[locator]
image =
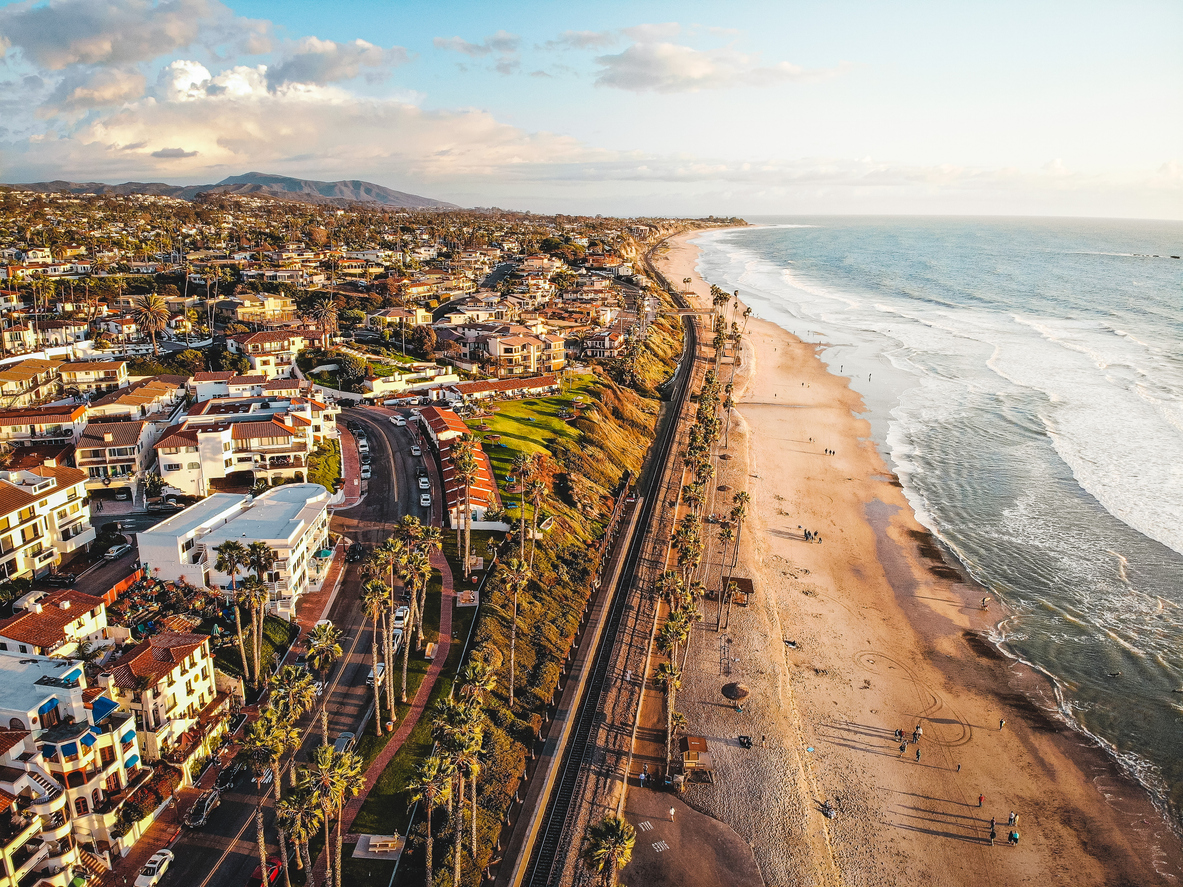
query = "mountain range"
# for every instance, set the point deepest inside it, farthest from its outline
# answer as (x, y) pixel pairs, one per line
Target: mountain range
(257, 184)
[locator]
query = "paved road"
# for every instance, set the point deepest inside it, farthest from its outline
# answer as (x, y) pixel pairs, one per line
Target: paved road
(224, 853)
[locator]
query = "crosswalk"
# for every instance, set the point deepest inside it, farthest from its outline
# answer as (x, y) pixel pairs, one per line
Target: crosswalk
(645, 826)
(661, 846)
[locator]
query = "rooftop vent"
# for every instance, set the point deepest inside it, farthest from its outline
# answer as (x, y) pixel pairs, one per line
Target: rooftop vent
(36, 608)
(108, 437)
(65, 605)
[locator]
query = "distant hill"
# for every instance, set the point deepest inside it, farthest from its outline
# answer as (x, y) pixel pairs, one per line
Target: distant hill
(257, 184)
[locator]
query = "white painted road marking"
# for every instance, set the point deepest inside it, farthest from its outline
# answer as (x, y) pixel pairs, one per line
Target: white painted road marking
(660, 846)
(645, 826)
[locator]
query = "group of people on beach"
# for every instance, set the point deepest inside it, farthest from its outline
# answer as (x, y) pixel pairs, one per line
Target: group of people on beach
(916, 734)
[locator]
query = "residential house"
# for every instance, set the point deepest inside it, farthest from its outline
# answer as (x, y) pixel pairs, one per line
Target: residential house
(157, 396)
(398, 317)
(33, 426)
(293, 520)
(55, 624)
(91, 376)
(29, 382)
(265, 308)
(483, 389)
(42, 518)
(117, 454)
(271, 353)
(58, 333)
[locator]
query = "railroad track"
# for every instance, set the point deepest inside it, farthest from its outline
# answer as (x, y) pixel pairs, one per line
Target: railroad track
(550, 846)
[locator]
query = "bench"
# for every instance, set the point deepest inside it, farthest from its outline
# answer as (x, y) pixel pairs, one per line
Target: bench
(384, 845)
(429, 652)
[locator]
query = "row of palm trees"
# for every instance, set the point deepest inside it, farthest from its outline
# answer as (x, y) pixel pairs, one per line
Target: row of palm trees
(233, 558)
(458, 727)
(317, 790)
(405, 556)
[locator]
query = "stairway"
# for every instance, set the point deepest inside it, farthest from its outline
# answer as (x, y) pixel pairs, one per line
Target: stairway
(52, 789)
(95, 867)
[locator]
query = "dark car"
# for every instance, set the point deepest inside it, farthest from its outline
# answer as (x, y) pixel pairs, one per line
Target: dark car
(198, 814)
(60, 580)
(356, 552)
(229, 777)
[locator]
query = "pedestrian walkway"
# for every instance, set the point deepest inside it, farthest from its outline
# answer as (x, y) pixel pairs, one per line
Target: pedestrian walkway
(312, 606)
(685, 850)
(350, 468)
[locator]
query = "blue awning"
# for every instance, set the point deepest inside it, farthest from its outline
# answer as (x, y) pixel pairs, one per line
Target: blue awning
(48, 706)
(69, 748)
(88, 739)
(101, 707)
(128, 736)
(131, 762)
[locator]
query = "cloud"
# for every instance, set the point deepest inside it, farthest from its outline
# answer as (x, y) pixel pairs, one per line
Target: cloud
(670, 67)
(61, 33)
(583, 40)
(173, 153)
(322, 61)
(85, 87)
(503, 46)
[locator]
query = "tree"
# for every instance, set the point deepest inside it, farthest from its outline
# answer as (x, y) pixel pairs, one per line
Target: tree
(739, 513)
(292, 692)
(431, 784)
(608, 847)
(515, 575)
(464, 464)
(257, 749)
(232, 557)
(424, 340)
(374, 598)
(255, 595)
(669, 678)
(726, 537)
(261, 559)
(299, 818)
(324, 312)
(153, 485)
(537, 493)
(324, 648)
(151, 314)
(324, 783)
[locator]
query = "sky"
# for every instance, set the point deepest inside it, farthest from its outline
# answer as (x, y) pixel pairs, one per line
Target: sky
(620, 108)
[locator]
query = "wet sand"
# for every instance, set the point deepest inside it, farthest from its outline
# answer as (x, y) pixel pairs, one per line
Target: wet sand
(884, 634)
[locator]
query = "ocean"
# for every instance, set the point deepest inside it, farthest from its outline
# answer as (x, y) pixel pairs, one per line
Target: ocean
(1024, 379)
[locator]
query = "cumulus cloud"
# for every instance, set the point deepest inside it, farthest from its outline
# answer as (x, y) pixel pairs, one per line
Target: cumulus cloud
(671, 67)
(503, 46)
(61, 33)
(85, 87)
(323, 61)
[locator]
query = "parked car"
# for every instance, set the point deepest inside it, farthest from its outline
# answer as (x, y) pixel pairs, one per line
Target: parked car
(363, 445)
(357, 552)
(345, 741)
(154, 869)
(425, 500)
(199, 813)
(396, 640)
(424, 483)
(228, 778)
(400, 617)
(264, 778)
(376, 674)
(122, 495)
(274, 870)
(365, 458)
(416, 450)
(365, 472)
(117, 551)
(60, 580)
(398, 420)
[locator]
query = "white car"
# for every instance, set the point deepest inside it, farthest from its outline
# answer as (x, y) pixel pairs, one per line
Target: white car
(398, 420)
(154, 869)
(363, 446)
(425, 500)
(400, 618)
(396, 640)
(416, 450)
(365, 472)
(115, 552)
(424, 483)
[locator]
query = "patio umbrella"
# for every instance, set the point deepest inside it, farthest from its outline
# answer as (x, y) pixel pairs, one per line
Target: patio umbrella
(736, 692)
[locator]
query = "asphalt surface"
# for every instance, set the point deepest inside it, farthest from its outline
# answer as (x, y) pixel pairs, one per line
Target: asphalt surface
(224, 853)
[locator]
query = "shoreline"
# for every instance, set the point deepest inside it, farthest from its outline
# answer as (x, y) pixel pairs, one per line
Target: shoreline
(886, 631)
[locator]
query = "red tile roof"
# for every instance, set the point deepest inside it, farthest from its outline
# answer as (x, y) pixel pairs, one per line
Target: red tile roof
(48, 627)
(153, 658)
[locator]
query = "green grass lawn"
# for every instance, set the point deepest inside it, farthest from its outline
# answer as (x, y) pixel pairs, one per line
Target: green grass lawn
(277, 634)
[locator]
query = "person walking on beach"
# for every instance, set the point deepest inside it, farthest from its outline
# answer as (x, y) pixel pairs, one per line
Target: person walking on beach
(981, 798)
(992, 823)
(917, 756)
(903, 748)
(958, 768)
(993, 835)
(671, 814)
(1001, 723)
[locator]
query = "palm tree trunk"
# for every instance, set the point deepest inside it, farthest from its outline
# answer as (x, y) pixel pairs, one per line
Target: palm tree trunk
(306, 850)
(406, 650)
(340, 810)
(246, 668)
(472, 789)
(280, 837)
(430, 845)
(377, 685)
(259, 836)
(459, 824)
(533, 531)
(388, 654)
(467, 524)
(421, 597)
(513, 642)
(722, 590)
(328, 851)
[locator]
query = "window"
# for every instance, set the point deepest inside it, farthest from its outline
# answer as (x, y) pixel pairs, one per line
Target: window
(194, 466)
(106, 755)
(171, 466)
(81, 807)
(112, 783)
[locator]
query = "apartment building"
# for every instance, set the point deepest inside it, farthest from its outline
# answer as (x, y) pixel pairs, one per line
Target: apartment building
(116, 454)
(42, 518)
(265, 308)
(293, 520)
(159, 397)
(29, 382)
(169, 685)
(398, 317)
(241, 441)
(89, 377)
(68, 761)
(36, 426)
(271, 353)
(55, 624)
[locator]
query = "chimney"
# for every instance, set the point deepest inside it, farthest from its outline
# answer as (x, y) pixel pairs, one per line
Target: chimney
(36, 608)
(65, 605)
(108, 437)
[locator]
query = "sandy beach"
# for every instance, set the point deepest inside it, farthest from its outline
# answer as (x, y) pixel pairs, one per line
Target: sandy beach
(864, 632)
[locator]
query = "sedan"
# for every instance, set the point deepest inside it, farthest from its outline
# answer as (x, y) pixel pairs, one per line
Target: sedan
(155, 868)
(198, 814)
(425, 500)
(424, 483)
(400, 617)
(274, 870)
(117, 551)
(416, 450)
(60, 580)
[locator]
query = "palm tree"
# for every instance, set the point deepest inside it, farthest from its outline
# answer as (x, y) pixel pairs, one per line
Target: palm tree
(293, 692)
(463, 749)
(465, 466)
(324, 312)
(324, 648)
(257, 749)
(608, 847)
(739, 513)
(324, 783)
(255, 594)
(726, 536)
(669, 678)
(150, 312)
(353, 781)
(515, 575)
(285, 739)
(537, 494)
(418, 572)
(388, 556)
(431, 784)
(374, 598)
(232, 557)
(522, 470)
(299, 818)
